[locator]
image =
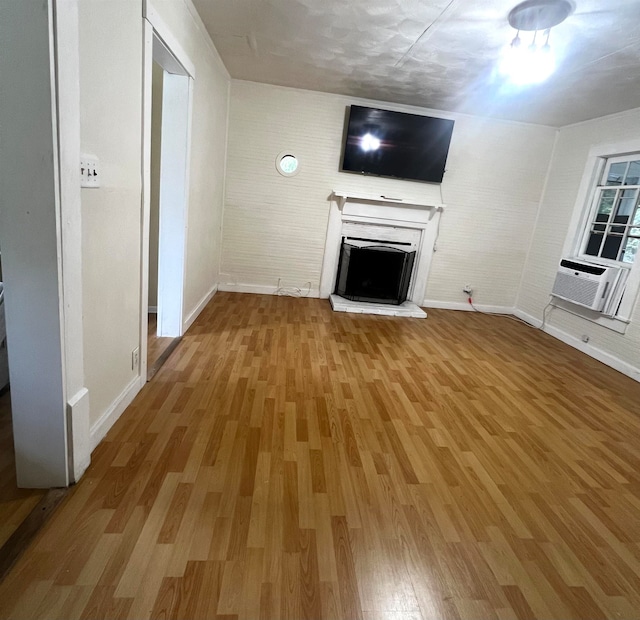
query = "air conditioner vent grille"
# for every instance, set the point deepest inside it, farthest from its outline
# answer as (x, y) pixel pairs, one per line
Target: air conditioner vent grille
(576, 289)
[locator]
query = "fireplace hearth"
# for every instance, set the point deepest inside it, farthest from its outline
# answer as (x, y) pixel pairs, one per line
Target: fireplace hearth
(374, 273)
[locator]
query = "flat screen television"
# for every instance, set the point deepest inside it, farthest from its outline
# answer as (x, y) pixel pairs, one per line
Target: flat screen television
(396, 144)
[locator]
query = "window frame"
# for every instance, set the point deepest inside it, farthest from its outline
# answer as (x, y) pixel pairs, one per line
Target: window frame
(591, 221)
(598, 158)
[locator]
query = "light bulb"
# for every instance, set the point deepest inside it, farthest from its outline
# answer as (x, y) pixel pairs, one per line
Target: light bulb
(529, 64)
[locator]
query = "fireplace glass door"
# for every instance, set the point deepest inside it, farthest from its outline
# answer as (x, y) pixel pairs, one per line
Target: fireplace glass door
(377, 274)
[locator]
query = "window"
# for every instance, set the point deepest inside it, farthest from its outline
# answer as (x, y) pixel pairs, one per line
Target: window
(613, 228)
(605, 227)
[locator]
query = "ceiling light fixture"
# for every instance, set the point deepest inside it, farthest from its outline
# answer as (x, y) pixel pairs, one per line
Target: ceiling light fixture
(533, 63)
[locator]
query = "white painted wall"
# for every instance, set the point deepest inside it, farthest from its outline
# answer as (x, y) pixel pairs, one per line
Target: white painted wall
(111, 129)
(275, 227)
(111, 48)
(208, 151)
(565, 174)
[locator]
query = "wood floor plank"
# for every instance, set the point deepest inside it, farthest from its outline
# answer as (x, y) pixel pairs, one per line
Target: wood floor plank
(292, 462)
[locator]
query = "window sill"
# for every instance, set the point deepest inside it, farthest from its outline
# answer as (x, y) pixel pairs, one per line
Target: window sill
(616, 324)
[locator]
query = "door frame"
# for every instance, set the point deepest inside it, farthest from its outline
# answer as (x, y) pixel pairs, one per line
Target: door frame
(41, 237)
(163, 47)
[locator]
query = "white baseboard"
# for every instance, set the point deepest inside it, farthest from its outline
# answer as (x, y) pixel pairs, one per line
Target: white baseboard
(463, 305)
(111, 415)
(527, 318)
(585, 347)
(193, 315)
(261, 289)
(78, 412)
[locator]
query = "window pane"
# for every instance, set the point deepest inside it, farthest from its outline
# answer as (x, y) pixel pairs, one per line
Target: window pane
(633, 174)
(618, 230)
(598, 228)
(616, 173)
(611, 247)
(626, 204)
(630, 250)
(593, 246)
(636, 217)
(605, 205)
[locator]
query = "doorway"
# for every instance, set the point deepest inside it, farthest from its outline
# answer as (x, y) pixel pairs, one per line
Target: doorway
(168, 100)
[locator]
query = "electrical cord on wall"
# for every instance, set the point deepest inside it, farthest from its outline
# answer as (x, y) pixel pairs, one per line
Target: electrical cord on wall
(435, 241)
(512, 317)
(293, 291)
(544, 313)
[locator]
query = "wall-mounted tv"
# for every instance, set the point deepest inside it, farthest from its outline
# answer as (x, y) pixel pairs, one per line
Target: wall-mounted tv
(395, 144)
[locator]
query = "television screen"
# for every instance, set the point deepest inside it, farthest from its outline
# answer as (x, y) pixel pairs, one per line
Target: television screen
(395, 144)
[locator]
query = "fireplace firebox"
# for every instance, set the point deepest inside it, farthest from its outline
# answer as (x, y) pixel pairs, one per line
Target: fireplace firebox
(374, 273)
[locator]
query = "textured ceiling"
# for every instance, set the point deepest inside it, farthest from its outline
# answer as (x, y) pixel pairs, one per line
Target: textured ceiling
(439, 54)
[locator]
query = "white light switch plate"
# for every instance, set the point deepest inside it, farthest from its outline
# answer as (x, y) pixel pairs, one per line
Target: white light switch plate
(89, 171)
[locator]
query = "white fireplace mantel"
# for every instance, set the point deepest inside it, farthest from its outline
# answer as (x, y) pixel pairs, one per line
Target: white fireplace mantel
(341, 199)
(383, 211)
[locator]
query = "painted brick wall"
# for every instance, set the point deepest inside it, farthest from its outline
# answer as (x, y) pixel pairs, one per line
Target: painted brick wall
(274, 227)
(565, 175)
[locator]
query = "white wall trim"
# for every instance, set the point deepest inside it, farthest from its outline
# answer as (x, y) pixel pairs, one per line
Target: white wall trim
(30, 234)
(528, 318)
(584, 347)
(163, 32)
(102, 426)
(463, 305)
(78, 416)
(260, 289)
(193, 315)
(177, 107)
(67, 63)
(145, 215)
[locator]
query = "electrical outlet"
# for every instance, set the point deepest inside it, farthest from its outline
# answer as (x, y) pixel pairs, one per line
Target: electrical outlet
(467, 289)
(89, 171)
(135, 358)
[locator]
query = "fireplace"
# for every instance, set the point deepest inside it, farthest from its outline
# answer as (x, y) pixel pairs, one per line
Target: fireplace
(373, 273)
(362, 222)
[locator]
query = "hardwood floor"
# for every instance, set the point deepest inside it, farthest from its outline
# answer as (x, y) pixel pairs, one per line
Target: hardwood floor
(158, 347)
(15, 503)
(292, 462)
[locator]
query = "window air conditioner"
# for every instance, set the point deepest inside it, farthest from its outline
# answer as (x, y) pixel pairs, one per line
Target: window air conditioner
(585, 284)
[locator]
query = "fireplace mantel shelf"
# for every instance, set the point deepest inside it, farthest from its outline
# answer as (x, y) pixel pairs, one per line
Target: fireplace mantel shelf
(342, 197)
